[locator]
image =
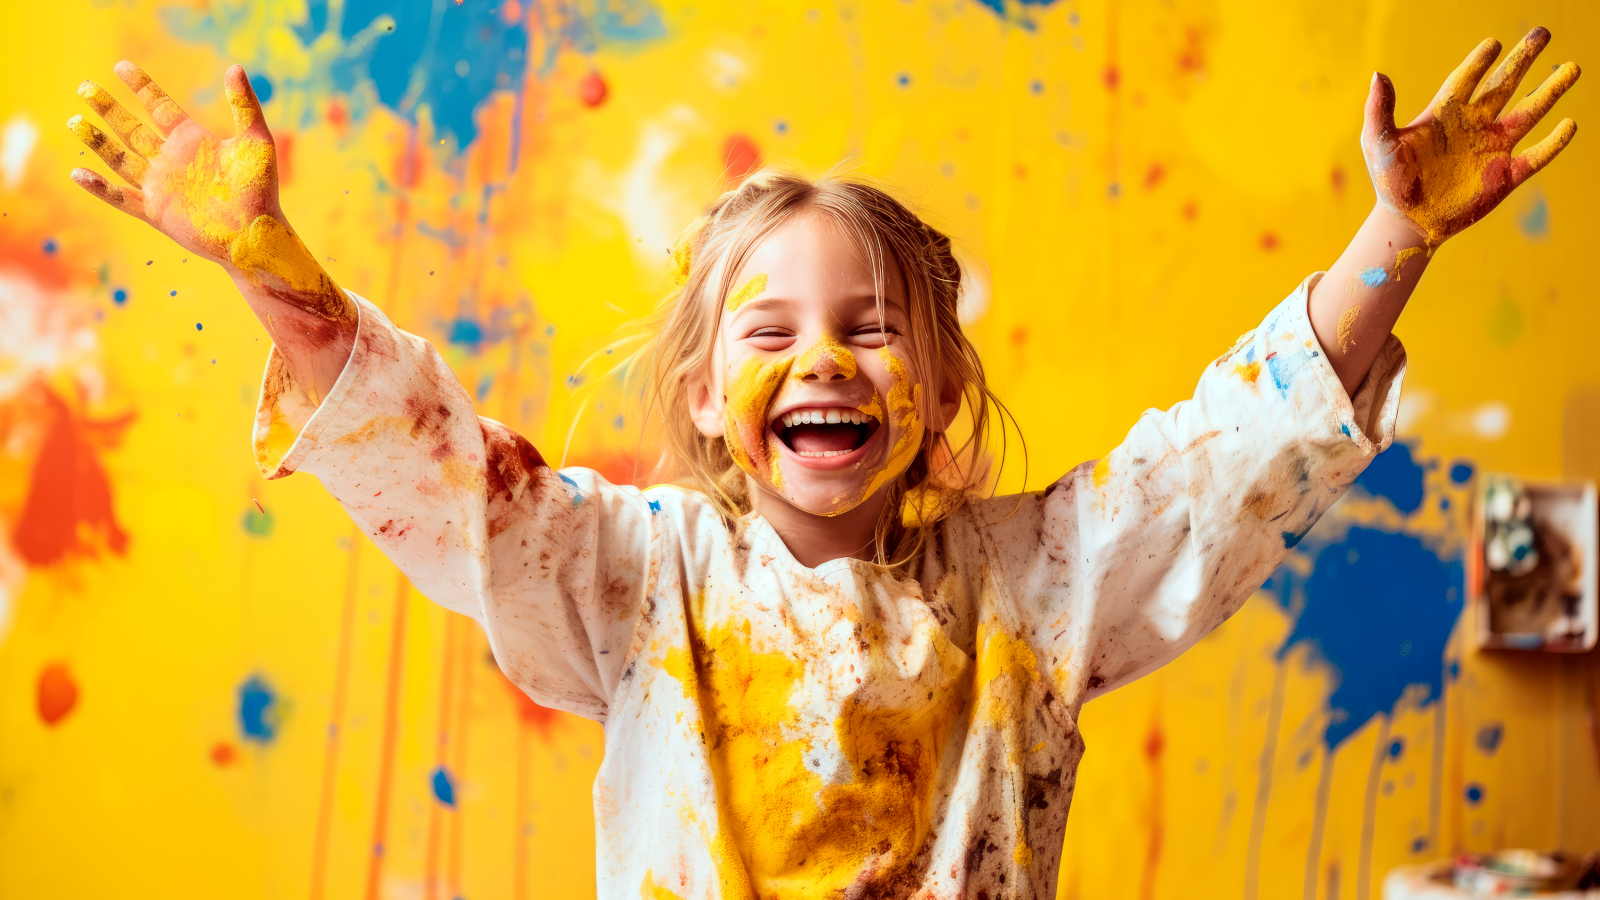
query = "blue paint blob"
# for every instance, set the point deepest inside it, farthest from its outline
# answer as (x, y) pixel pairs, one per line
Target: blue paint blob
(1373, 276)
(1454, 668)
(258, 710)
(444, 788)
(1474, 793)
(781, 127)
(618, 423)
(999, 6)
(484, 385)
(1397, 748)
(465, 332)
(50, 245)
(262, 86)
(1377, 610)
(903, 79)
(120, 296)
(1461, 472)
(172, 293)
(1419, 844)
(1444, 504)
(1396, 476)
(1535, 223)
(655, 507)
(1488, 738)
(199, 327)
(1036, 86)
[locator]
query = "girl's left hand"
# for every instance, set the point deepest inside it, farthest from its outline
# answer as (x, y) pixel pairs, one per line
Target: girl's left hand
(1453, 164)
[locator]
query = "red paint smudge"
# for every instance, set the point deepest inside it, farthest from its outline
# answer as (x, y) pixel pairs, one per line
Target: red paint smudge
(223, 754)
(260, 507)
(336, 115)
(285, 147)
(511, 12)
(532, 715)
(592, 90)
(1189, 211)
(1112, 78)
(1154, 743)
(740, 157)
(57, 693)
(1021, 171)
(1153, 176)
(623, 468)
(68, 511)
(1269, 241)
(1337, 178)
(1019, 336)
(1192, 58)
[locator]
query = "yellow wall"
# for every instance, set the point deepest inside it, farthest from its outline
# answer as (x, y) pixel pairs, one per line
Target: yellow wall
(1140, 180)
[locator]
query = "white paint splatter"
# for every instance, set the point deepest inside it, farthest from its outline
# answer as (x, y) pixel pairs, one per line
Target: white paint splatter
(16, 146)
(973, 300)
(652, 208)
(1491, 420)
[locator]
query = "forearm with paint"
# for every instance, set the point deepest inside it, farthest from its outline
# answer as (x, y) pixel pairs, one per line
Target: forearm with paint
(1354, 307)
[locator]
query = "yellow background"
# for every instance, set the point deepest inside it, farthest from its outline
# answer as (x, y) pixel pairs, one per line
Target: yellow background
(1134, 181)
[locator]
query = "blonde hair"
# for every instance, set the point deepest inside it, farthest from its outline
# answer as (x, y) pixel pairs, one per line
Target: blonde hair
(679, 339)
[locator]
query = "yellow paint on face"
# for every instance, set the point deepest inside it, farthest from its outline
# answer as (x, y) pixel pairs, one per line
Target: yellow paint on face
(748, 396)
(797, 835)
(751, 290)
(1347, 327)
(826, 348)
(905, 406)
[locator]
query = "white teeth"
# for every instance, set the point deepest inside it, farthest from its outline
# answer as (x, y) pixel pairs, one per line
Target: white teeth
(834, 416)
(820, 453)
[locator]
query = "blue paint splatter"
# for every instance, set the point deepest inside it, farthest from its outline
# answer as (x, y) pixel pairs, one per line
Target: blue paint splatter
(1397, 748)
(781, 127)
(655, 507)
(1284, 367)
(1036, 86)
(50, 246)
(1474, 793)
(172, 293)
(903, 79)
(1396, 476)
(1488, 738)
(1377, 610)
(618, 423)
(444, 787)
(999, 6)
(262, 85)
(485, 384)
(199, 327)
(258, 710)
(1373, 276)
(120, 296)
(1461, 472)
(577, 491)
(1418, 845)
(1535, 223)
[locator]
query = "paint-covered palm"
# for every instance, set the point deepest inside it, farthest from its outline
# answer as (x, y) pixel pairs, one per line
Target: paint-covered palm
(1454, 163)
(217, 197)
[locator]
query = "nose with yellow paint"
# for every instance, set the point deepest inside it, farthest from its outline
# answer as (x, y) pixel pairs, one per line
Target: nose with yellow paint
(827, 360)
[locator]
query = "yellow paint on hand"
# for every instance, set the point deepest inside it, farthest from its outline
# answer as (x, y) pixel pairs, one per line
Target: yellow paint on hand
(137, 135)
(1347, 327)
(1404, 256)
(130, 167)
(1248, 371)
(744, 415)
(751, 290)
(826, 348)
(268, 249)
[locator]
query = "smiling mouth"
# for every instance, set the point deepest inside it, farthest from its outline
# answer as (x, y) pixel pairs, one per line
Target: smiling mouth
(821, 433)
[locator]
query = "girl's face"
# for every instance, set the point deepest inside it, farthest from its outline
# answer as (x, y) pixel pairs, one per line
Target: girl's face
(810, 386)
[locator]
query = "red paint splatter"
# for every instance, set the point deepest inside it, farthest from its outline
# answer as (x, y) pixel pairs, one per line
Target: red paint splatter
(1189, 211)
(740, 157)
(1019, 336)
(1021, 171)
(511, 12)
(1154, 743)
(285, 146)
(57, 693)
(336, 115)
(1192, 58)
(223, 754)
(1269, 241)
(1337, 178)
(1153, 176)
(1112, 78)
(258, 505)
(592, 90)
(68, 511)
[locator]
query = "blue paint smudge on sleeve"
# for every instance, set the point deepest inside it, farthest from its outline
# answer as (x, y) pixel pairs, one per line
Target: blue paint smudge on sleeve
(577, 497)
(1461, 472)
(258, 710)
(444, 787)
(655, 506)
(1284, 367)
(1396, 476)
(1374, 276)
(1377, 610)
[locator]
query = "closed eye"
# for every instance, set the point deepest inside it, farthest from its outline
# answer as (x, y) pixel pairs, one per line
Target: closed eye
(874, 335)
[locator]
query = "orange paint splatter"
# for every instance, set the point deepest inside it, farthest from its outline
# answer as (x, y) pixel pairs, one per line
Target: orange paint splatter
(285, 145)
(1337, 180)
(223, 754)
(57, 693)
(592, 90)
(542, 719)
(68, 511)
(1111, 78)
(1019, 336)
(511, 12)
(1153, 176)
(1248, 371)
(740, 157)
(1189, 211)
(1269, 241)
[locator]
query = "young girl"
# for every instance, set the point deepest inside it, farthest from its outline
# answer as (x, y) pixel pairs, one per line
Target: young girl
(826, 667)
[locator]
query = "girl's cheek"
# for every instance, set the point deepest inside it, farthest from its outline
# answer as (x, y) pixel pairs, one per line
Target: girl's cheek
(902, 408)
(748, 396)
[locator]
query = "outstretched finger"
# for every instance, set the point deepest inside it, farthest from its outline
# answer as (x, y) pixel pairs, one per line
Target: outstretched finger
(1377, 133)
(1531, 160)
(162, 108)
(1459, 86)
(1527, 113)
(247, 116)
(130, 167)
(138, 136)
(129, 200)
(1495, 90)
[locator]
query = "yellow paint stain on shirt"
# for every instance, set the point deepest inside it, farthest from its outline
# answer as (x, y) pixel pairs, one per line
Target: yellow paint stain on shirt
(744, 415)
(1102, 474)
(927, 505)
(1248, 372)
(650, 889)
(1007, 668)
(272, 444)
(1347, 327)
(796, 834)
(751, 290)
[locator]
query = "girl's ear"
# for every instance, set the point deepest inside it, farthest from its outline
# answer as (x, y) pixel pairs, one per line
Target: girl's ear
(704, 410)
(949, 404)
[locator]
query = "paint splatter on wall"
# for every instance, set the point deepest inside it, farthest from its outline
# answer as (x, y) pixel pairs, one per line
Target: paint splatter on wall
(506, 178)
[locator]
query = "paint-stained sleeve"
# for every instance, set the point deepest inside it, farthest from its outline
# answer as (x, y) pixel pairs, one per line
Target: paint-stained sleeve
(555, 565)
(1126, 562)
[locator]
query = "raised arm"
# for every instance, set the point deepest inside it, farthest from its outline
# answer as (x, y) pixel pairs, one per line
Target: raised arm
(1434, 177)
(218, 198)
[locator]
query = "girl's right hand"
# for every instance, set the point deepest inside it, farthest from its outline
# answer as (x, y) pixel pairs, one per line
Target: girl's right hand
(216, 197)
